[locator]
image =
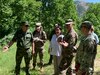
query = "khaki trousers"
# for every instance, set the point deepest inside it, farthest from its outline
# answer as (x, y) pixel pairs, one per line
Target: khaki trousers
(57, 60)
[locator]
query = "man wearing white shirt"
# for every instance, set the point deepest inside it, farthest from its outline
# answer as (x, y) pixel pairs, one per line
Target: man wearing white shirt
(56, 48)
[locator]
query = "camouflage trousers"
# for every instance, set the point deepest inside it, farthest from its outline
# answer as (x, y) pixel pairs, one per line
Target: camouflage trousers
(66, 64)
(80, 72)
(27, 57)
(88, 72)
(40, 52)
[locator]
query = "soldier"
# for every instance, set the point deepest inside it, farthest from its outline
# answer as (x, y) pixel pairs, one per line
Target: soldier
(86, 51)
(69, 43)
(39, 39)
(24, 40)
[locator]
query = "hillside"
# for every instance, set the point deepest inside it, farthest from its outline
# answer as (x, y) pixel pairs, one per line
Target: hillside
(81, 7)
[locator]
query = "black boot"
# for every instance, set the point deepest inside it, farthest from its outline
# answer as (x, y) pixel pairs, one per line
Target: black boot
(50, 60)
(28, 73)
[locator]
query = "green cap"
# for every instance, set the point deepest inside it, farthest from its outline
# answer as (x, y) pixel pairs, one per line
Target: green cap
(86, 24)
(69, 21)
(25, 23)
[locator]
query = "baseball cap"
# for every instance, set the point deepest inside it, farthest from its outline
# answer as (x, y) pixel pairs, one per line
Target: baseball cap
(38, 24)
(86, 24)
(25, 23)
(69, 21)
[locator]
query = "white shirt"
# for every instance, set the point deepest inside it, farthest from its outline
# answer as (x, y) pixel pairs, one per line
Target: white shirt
(56, 48)
(96, 37)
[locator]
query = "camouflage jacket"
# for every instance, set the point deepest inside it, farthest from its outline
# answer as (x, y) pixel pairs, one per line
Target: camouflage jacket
(39, 38)
(85, 52)
(71, 38)
(24, 40)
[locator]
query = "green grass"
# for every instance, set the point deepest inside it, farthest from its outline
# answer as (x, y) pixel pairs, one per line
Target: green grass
(7, 63)
(98, 52)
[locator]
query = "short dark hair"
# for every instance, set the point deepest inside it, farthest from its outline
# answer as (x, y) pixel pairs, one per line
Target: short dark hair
(58, 27)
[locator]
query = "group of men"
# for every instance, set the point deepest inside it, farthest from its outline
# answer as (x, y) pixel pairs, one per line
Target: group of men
(25, 39)
(85, 52)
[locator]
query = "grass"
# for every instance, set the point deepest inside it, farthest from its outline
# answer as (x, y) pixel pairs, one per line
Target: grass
(7, 63)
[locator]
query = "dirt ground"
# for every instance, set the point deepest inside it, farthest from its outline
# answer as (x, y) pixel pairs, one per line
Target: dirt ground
(97, 67)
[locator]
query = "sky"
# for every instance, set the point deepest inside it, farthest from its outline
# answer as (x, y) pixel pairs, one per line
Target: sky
(94, 1)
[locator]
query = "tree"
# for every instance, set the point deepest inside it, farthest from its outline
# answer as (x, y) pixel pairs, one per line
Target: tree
(93, 15)
(12, 12)
(57, 11)
(48, 12)
(6, 18)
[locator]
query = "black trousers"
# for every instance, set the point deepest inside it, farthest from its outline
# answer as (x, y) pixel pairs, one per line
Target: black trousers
(50, 59)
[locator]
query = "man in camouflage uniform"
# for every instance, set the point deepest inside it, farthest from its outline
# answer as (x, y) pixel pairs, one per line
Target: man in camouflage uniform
(86, 51)
(39, 40)
(24, 40)
(69, 43)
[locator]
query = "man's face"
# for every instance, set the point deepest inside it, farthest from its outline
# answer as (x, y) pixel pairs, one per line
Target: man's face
(38, 28)
(68, 27)
(25, 28)
(83, 30)
(57, 31)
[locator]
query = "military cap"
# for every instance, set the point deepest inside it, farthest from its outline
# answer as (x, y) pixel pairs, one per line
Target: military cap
(86, 24)
(25, 23)
(38, 24)
(69, 21)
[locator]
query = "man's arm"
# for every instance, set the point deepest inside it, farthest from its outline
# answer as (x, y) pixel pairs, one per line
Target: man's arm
(44, 37)
(33, 47)
(5, 48)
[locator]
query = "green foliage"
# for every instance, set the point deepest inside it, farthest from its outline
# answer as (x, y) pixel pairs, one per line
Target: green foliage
(6, 18)
(12, 12)
(57, 11)
(48, 12)
(93, 15)
(6, 40)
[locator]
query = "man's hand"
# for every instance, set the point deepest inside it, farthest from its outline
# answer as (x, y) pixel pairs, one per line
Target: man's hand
(5, 48)
(33, 52)
(36, 39)
(41, 40)
(65, 44)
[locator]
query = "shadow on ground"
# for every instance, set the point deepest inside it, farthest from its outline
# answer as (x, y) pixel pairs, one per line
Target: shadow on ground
(97, 73)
